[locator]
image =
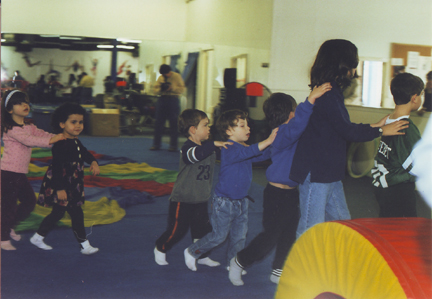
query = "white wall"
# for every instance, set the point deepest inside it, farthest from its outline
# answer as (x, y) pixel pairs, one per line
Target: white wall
(61, 61)
(140, 19)
(300, 27)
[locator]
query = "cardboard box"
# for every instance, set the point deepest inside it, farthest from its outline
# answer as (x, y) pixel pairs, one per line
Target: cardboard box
(104, 122)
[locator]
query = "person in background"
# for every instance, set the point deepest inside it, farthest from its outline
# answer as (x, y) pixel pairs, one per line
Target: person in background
(393, 181)
(86, 91)
(169, 86)
(18, 80)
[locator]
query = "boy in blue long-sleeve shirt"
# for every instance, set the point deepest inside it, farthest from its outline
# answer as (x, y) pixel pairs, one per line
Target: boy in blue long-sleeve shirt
(281, 196)
(230, 202)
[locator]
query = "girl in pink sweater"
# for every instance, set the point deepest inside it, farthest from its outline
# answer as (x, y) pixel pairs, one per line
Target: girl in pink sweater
(18, 138)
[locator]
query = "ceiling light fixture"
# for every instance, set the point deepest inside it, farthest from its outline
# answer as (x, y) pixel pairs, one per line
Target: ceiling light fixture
(134, 41)
(3, 40)
(71, 37)
(125, 47)
(105, 46)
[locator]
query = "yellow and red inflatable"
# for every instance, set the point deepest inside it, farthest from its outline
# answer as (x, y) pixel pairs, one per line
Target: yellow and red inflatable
(387, 258)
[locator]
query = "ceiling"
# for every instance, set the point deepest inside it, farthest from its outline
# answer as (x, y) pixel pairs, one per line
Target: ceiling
(27, 42)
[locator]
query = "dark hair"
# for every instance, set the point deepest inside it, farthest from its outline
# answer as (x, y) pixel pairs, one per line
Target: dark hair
(16, 98)
(429, 75)
(190, 118)
(164, 69)
(334, 61)
(61, 115)
(404, 86)
(278, 107)
(229, 119)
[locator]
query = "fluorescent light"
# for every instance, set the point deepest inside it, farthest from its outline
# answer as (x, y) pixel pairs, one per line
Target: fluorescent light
(136, 41)
(125, 47)
(70, 37)
(105, 46)
(3, 40)
(49, 35)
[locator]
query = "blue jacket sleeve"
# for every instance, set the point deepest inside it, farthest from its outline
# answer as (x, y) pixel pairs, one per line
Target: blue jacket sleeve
(290, 133)
(240, 152)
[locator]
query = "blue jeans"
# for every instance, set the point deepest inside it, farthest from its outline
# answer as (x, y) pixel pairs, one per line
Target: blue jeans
(320, 202)
(228, 216)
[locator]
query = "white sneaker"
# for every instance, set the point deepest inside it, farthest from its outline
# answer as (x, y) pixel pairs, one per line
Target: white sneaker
(208, 262)
(244, 272)
(37, 240)
(87, 249)
(190, 261)
(160, 257)
(235, 273)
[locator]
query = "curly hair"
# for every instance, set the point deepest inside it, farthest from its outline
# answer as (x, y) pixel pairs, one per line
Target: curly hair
(61, 115)
(190, 118)
(334, 61)
(229, 119)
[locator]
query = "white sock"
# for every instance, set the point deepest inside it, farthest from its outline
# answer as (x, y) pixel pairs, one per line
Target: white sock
(160, 257)
(235, 273)
(208, 262)
(190, 261)
(275, 276)
(14, 236)
(244, 272)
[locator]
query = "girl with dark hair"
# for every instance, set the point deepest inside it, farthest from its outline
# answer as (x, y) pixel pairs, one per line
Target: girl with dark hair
(63, 184)
(320, 157)
(18, 138)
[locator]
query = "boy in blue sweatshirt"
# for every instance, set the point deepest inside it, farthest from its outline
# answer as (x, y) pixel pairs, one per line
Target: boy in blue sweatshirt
(281, 196)
(230, 202)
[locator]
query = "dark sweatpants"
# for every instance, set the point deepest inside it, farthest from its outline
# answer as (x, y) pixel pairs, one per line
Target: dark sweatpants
(15, 186)
(57, 213)
(397, 201)
(280, 219)
(181, 216)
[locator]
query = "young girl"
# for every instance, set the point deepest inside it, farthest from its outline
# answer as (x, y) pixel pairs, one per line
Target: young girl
(63, 184)
(18, 138)
(320, 157)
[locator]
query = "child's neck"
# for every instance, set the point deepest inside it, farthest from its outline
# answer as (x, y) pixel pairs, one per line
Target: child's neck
(194, 139)
(401, 110)
(18, 119)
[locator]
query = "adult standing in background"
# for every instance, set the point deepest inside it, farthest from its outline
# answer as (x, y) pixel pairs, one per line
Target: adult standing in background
(86, 83)
(169, 86)
(18, 80)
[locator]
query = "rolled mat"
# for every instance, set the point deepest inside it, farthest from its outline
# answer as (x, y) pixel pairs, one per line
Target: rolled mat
(362, 258)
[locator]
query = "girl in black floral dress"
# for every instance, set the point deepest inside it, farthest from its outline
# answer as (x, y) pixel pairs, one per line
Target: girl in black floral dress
(63, 184)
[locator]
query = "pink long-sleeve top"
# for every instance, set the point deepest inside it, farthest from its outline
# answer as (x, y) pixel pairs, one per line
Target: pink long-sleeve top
(18, 143)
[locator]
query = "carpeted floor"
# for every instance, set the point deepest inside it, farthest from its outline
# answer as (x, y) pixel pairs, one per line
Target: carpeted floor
(124, 267)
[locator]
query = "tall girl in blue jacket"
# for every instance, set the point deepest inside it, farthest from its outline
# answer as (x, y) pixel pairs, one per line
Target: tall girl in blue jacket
(320, 157)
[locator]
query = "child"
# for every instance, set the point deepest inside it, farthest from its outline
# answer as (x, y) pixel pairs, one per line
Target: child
(189, 199)
(63, 184)
(281, 197)
(230, 201)
(394, 184)
(18, 138)
(320, 157)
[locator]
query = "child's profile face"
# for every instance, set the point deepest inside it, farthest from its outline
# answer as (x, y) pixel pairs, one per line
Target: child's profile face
(73, 126)
(203, 129)
(22, 109)
(240, 132)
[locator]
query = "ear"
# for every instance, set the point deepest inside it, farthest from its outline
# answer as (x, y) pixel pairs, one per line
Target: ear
(62, 125)
(192, 130)
(229, 132)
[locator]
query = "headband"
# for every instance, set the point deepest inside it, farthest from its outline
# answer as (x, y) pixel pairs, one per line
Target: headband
(9, 96)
